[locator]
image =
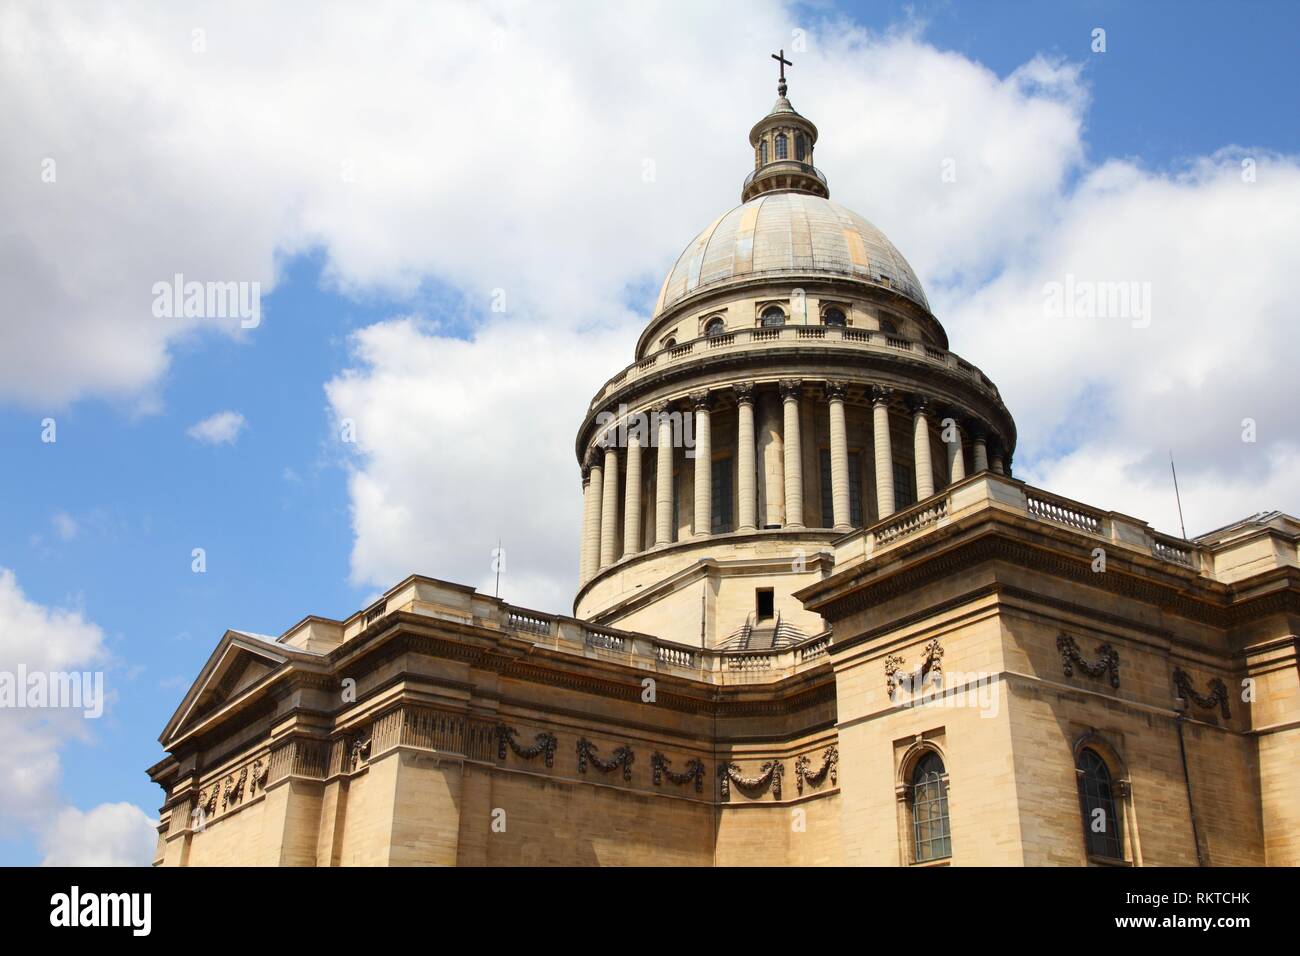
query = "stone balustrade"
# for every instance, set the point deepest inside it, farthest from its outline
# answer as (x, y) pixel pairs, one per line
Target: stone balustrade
(816, 336)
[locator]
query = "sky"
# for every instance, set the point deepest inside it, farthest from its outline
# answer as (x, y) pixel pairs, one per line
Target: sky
(458, 217)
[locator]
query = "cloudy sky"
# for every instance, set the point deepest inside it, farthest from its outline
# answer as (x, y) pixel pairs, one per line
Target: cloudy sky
(459, 215)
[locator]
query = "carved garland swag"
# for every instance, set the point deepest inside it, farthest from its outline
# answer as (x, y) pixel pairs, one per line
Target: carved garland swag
(660, 769)
(769, 776)
(622, 757)
(1218, 693)
(1071, 657)
(544, 743)
(830, 766)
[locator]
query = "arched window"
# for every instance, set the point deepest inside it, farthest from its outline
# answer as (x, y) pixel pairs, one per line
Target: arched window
(669, 343)
(834, 316)
(782, 150)
(799, 147)
(773, 316)
(932, 840)
(715, 326)
(762, 153)
(889, 326)
(1101, 824)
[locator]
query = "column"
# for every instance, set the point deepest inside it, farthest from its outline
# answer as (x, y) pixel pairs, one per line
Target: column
(839, 458)
(952, 441)
(588, 496)
(609, 508)
(880, 396)
(664, 477)
(979, 449)
(632, 497)
(747, 507)
(995, 456)
(596, 488)
(923, 464)
(703, 465)
(790, 389)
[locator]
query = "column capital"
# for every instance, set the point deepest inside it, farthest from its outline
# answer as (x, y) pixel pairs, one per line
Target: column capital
(701, 400)
(977, 430)
(744, 393)
(920, 404)
(663, 407)
(835, 390)
(586, 473)
(791, 388)
(952, 411)
(881, 394)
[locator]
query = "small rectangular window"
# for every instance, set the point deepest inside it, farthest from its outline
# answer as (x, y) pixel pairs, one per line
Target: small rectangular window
(904, 486)
(720, 520)
(765, 603)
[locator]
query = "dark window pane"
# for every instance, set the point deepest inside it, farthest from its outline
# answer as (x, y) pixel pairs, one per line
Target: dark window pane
(781, 148)
(931, 836)
(773, 316)
(904, 486)
(721, 496)
(1100, 821)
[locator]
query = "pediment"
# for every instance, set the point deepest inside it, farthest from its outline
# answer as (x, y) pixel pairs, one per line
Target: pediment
(240, 664)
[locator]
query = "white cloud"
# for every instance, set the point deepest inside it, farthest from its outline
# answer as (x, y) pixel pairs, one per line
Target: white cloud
(39, 638)
(219, 429)
(112, 834)
(65, 526)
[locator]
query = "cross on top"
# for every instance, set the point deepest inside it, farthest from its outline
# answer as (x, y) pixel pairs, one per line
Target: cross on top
(780, 58)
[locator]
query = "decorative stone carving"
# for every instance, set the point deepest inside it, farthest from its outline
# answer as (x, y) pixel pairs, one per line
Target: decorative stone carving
(769, 777)
(791, 388)
(830, 766)
(881, 394)
(931, 669)
(918, 403)
(358, 751)
(836, 390)
(744, 393)
(544, 744)
(622, 757)
(233, 791)
(208, 804)
(660, 769)
(258, 777)
(1107, 660)
(1218, 693)
(701, 400)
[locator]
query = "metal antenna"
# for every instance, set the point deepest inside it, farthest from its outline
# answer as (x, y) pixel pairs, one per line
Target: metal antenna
(1177, 498)
(496, 591)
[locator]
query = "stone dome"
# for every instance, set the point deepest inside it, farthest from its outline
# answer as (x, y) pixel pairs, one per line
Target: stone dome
(793, 233)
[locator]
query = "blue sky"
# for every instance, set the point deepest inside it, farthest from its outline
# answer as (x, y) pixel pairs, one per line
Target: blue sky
(273, 510)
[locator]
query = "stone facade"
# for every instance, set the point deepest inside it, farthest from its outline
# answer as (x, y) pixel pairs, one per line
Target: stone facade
(818, 623)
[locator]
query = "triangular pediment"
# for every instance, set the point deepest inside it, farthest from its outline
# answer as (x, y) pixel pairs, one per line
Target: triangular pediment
(239, 665)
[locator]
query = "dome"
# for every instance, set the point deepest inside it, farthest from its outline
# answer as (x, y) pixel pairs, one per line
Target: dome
(788, 232)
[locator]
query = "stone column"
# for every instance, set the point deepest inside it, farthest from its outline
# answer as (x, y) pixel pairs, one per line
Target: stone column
(588, 499)
(995, 456)
(596, 488)
(956, 457)
(880, 396)
(839, 458)
(979, 448)
(609, 509)
(924, 466)
(632, 497)
(700, 401)
(790, 389)
(664, 477)
(747, 507)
